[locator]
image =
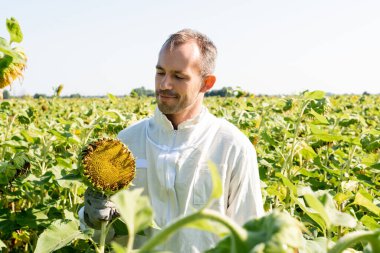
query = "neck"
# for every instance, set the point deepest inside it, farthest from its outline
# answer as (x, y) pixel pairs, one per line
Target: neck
(177, 119)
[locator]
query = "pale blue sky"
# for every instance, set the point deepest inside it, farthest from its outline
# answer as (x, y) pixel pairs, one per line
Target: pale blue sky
(95, 47)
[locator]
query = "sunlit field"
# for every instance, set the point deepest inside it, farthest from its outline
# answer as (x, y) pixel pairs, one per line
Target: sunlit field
(318, 155)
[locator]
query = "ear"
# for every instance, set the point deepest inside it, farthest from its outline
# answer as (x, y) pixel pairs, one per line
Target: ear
(208, 83)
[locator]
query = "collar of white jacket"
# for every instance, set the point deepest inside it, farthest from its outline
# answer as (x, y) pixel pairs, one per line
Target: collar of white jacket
(190, 134)
(161, 120)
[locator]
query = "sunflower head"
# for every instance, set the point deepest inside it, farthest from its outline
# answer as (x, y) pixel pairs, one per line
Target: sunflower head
(108, 165)
(11, 69)
(59, 90)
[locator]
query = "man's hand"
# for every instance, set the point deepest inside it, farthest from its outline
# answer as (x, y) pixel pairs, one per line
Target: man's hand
(97, 208)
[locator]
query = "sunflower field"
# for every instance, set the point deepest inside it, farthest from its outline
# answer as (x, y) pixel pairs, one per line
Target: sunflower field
(319, 162)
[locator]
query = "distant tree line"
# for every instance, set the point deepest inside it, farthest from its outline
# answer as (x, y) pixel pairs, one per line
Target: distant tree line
(228, 92)
(40, 95)
(223, 92)
(144, 92)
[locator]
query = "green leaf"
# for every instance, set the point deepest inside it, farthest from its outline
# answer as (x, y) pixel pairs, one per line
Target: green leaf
(327, 137)
(376, 166)
(366, 194)
(265, 136)
(323, 134)
(328, 209)
(311, 213)
(317, 161)
(370, 222)
(210, 226)
(3, 43)
(69, 215)
(277, 189)
(217, 187)
(70, 183)
(2, 245)
(341, 219)
(371, 159)
(307, 151)
(111, 97)
(14, 30)
(115, 115)
(314, 203)
(318, 245)
(370, 143)
(23, 120)
(307, 173)
(59, 234)
(287, 182)
(318, 94)
(27, 137)
(5, 106)
(66, 163)
(320, 118)
(134, 209)
(361, 200)
(274, 232)
(117, 248)
(5, 62)
(341, 197)
(8, 50)
(356, 237)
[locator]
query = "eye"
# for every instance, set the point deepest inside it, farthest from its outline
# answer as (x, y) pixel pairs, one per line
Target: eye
(160, 72)
(179, 77)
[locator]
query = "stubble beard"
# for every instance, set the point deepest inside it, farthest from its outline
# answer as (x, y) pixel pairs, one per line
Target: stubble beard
(175, 107)
(167, 108)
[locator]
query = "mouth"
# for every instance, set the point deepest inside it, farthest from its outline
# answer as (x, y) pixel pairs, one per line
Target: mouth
(162, 95)
(166, 96)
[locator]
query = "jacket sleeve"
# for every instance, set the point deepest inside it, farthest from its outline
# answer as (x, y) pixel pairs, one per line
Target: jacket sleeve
(244, 196)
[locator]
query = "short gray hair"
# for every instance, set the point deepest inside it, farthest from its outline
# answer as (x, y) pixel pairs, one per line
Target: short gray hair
(205, 45)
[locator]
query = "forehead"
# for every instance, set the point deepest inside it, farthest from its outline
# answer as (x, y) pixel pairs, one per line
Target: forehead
(180, 58)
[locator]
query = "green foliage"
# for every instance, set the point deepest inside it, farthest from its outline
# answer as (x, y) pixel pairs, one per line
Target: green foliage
(39, 95)
(318, 158)
(134, 209)
(59, 234)
(275, 232)
(12, 59)
(14, 30)
(142, 92)
(228, 92)
(6, 94)
(75, 95)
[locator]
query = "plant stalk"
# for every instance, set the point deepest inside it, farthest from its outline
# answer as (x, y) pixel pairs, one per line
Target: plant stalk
(103, 234)
(238, 233)
(373, 237)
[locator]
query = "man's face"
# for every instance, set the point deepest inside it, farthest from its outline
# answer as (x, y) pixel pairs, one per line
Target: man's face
(178, 79)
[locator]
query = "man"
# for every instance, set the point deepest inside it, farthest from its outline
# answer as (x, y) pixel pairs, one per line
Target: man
(174, 146)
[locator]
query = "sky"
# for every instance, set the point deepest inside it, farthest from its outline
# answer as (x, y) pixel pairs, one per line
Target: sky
(95, 47)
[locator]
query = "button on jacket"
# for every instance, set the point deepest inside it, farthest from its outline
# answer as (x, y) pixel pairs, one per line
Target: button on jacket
(171, 166)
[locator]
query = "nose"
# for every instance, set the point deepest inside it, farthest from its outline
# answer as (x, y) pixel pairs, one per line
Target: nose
(165, 83)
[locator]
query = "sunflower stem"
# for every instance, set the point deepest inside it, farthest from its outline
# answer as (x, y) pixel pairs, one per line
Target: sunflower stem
(239, 234)
(103, 234)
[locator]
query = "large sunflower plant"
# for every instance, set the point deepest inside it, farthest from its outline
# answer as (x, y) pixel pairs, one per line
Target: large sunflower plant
(12, 58)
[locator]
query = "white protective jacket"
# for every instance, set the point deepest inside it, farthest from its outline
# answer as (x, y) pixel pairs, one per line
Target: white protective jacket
(172, 169)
